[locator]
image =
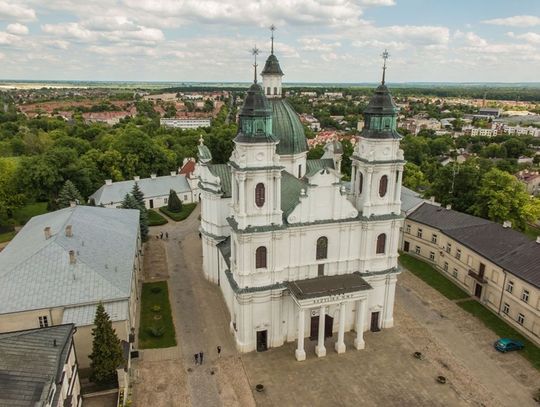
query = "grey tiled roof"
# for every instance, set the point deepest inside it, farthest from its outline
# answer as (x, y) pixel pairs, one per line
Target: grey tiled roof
(509, 249)
(327, 285)
(225, 249)
(36, 273)
(150, 187)
(312, 166)
(410, 199)
(290, 192)
(223, 171)
(30, 363)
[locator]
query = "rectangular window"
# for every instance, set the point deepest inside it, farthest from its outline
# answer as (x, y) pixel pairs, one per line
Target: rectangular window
(408, 229)
(419, 233)
(458, 254)
(482, 270)
(165, 201)
(506, 308)
(432, 256)
(43, 322)
(417, 249)
(448, 247)
(510, 286)
(525, 295)
(445, 267)
(433, 238)
(455, 273)
(495, 276)
(521, 319)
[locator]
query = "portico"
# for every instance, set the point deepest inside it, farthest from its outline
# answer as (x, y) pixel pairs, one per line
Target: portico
(316, 296)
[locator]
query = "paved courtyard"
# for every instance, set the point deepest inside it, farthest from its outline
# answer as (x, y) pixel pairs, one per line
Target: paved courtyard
(454, 344)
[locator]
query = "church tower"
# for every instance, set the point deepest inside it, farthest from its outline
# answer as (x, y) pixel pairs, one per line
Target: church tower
(272, 73)
(377, 161)
(256, 173)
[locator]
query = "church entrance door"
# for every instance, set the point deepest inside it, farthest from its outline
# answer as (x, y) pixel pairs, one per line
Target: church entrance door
(328, 325)
(262, 341)
(375, 322)
(405, 246)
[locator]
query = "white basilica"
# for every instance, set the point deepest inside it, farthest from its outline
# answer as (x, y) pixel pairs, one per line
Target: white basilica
(296, 252)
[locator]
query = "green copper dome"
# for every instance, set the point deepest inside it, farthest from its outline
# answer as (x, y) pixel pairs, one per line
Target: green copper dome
(380, 116)
(287, 128)
(271, 67)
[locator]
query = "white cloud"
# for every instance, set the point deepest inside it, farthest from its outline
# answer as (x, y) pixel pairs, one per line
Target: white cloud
(471, 39)
(530, 37)
(8, 39)
(515, 21)
(378, 2)
(17, 29)
(315, 44)
(69, 30)
(12, 10)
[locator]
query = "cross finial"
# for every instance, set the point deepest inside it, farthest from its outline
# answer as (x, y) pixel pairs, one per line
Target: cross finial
(385, 56)
(272, 29)
(201, 140)
(255, 52)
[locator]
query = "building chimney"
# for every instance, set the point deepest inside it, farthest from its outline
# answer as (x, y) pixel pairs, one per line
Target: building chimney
(69, 231)
(108, 182)
(538, 239)
(72, 204)
(432, 199)
(136, 178)
(47, 232)
(72, 259)
(448, 207)
(507, 224)
(173, 173)
(153, 176)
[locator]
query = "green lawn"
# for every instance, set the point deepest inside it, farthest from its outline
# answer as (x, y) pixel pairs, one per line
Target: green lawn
(155, 219)
(532, 231)
(432, 277)
(7, 236)
(158, 318)
(531, 352)
(178, 216)
(23, 215)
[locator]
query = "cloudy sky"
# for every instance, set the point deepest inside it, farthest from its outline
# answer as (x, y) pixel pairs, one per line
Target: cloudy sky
(316, 40)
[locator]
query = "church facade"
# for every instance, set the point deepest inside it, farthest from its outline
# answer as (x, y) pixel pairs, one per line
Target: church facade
(297, 252)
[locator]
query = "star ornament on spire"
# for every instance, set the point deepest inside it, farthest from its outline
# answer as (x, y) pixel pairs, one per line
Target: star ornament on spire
(385, 56)
(255, 51)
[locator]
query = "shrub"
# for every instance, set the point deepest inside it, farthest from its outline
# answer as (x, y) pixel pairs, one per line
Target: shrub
(174, 204)
(157, 331)
(156, 308)
(156, 290)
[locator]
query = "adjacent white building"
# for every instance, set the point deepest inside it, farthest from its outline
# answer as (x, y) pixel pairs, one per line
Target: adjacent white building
(155, 189)
(186, 122)
(295, 253)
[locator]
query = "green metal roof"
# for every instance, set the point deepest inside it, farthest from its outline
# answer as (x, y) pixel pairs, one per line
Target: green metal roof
(312, 166)
(271, 67)
(224, 173)
(287, 128)
(290, 192)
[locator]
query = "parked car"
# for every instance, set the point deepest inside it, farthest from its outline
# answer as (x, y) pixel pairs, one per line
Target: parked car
(507, 344)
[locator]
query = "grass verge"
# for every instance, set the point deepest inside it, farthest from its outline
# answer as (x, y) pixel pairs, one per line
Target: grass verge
(156, 316)
(155, 219)
(531, 352)
(7, 236)
(23, 214)
(432, 277)
(178, 216)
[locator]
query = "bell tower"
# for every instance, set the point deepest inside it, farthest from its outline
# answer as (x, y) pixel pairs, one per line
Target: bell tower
(256, 173)
(377, 161)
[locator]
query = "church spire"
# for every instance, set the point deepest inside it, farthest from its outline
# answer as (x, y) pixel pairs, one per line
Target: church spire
(255, 52)
(385, 56)
(272, 29)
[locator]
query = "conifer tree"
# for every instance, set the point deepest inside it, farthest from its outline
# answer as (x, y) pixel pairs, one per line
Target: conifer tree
(174, 204)
(106, 354)
(138, 195)
(68, 194)
(130, 202)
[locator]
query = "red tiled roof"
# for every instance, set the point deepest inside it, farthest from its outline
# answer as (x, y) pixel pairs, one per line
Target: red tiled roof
(188, 168)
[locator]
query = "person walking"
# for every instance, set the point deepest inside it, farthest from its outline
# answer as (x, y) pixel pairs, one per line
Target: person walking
(166, 235)
(201, 356)
(161, 235)
(197, 359)
(218, 351)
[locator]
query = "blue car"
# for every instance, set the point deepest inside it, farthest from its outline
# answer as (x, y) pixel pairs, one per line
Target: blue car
(507, 344)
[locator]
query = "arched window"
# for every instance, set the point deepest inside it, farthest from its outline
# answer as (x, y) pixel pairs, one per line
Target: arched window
(260, 257)
(322, 248)
(360, 182)
(381, 243)
(383, 185)
(268, 91)
(275, 91)
(259, 195)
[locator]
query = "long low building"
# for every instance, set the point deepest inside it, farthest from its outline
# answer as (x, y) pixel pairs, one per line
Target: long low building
(186, 122)
(494, 263)
(62, 264)
(155, 189)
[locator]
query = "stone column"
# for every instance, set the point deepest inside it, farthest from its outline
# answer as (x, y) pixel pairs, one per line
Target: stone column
(300, 353)
(320, 350)
(340, 344)
(359, 327)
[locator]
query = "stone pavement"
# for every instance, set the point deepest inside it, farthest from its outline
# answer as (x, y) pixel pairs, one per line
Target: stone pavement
(453, 342)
